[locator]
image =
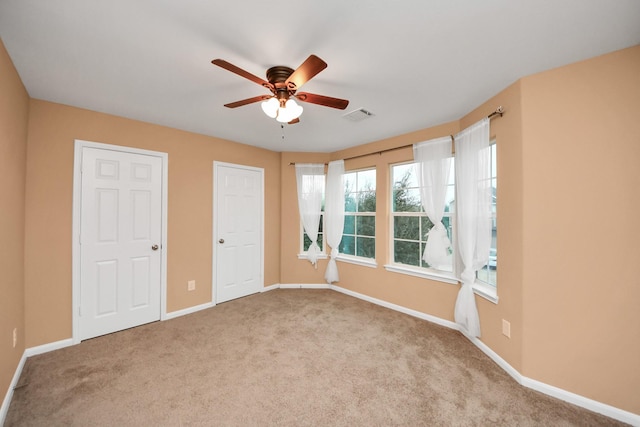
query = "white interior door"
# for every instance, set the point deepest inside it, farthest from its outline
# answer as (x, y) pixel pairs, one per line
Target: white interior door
(238, 231)
(120, 241)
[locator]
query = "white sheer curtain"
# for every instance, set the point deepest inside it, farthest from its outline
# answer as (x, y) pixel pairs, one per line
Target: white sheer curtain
(473, 216)
(310, 181)
(334, 216)
(433, 166)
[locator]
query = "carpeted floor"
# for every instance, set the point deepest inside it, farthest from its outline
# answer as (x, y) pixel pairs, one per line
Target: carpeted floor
(286, 358)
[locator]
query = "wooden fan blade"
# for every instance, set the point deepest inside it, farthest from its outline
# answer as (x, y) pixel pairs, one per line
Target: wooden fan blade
(294, 121)
(305, 72)
(327, 101)
(242, 73)
(247, 101)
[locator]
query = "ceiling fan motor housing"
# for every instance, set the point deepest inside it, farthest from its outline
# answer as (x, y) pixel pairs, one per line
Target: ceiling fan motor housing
(277, 76)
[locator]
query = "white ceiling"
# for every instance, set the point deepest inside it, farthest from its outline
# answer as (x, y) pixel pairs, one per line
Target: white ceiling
(413, 63)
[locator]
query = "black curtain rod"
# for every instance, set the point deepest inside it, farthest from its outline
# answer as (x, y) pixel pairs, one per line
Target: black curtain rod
(498, 112)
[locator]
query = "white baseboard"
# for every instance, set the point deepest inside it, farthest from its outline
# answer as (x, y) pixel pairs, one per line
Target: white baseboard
(305, 286)
(46, 348)
(494, 356)
(584, 402)
(270, 288)
(9, 395)
(189, 310)
(401, 309)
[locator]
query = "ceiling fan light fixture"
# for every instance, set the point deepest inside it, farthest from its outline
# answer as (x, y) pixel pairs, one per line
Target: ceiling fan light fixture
(290, 111)
(270, 107)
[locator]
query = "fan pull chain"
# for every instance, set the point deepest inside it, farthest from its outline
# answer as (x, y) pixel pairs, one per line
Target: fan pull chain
(282, 127)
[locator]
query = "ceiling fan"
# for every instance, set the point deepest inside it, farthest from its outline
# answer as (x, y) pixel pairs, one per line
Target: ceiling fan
(283, 83)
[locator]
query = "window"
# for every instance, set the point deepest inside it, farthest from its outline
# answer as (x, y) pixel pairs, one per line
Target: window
(488, 274)
(358, 237)
(410, 224)
(305, 241)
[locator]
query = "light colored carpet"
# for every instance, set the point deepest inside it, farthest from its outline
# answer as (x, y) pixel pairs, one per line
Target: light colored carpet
(286, 358)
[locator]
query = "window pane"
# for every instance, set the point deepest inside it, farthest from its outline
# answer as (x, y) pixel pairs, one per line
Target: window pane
(350, 181)
(406, 227)
(404, 176)
(367, 180)
(349, 224)
(407, 252)
(348, 245)
(366, 225)
(367, 201)
(366, 247)
(406, 200)
(306, 243)
(350, 202)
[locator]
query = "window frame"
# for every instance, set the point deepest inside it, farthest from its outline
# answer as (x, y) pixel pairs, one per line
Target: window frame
(480, 287)
(487, 289)
(413, 270)
(358, 259)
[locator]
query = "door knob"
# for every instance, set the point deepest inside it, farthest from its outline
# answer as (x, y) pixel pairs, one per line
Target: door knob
(154, 247)
(221, 241)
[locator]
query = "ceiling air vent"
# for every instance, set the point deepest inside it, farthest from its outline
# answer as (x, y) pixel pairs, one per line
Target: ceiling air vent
(358, 115)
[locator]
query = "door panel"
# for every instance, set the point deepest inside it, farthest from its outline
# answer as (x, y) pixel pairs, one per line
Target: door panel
(238, 223)
(121, 217)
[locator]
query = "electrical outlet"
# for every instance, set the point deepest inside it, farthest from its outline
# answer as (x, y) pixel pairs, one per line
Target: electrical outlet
(506, 328)
(15, 337)
(191, 285)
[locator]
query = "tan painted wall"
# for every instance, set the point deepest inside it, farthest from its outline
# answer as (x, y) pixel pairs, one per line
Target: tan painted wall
(581, 136)
(52, 131)
(14, 116)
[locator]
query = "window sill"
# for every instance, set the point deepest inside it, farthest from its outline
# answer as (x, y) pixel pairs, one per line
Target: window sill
(485, 291)
(423, 273)
(320, 256)
(365, 262)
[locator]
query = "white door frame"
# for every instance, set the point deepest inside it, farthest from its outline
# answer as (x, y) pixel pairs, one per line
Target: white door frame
(216, 165)
(77, 205)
